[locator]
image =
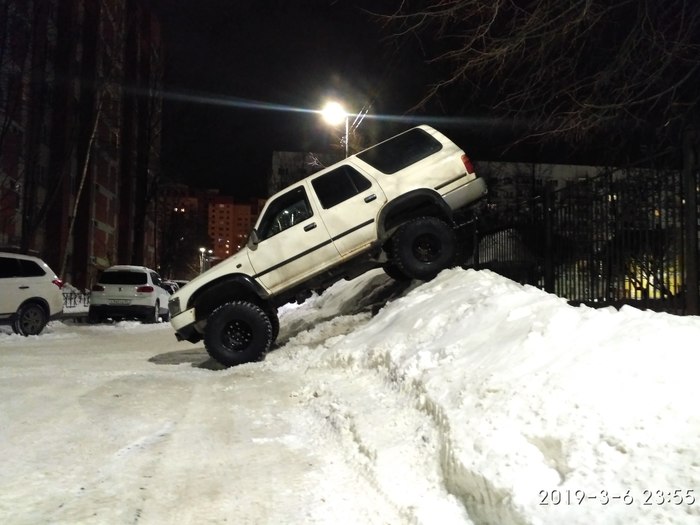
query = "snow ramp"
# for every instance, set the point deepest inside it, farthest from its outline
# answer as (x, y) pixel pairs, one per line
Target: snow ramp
(540, 412)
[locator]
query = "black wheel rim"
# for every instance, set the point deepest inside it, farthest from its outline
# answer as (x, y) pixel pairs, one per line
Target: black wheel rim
(426, 248)
(237, 335)
(32, 321)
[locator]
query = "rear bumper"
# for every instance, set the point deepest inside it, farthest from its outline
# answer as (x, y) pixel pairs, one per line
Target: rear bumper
(467, 194)
(130, 311)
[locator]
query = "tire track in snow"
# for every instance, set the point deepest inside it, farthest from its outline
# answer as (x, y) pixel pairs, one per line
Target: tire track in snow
(246, 452)
(480, 499)
(393, 445)
(484, 503)
(129, 438)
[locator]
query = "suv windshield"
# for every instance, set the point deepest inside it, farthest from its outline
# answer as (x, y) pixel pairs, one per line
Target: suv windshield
(403, 150)
(123, 277)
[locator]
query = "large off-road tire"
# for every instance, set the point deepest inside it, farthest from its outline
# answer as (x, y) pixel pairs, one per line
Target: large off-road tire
(423, 247)
(31, 320)
(395, 272)
(275, 322)
(238, 332)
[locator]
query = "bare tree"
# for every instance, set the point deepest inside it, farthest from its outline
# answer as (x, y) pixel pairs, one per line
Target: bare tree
(17, 28)
(566, 68)
(148, 157)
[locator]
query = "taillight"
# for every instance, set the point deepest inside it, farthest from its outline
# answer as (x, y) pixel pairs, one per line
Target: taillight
(145, 289)
(58, 282)
(467, 164)
(98, 288)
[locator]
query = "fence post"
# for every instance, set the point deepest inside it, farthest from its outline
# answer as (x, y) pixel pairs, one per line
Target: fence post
(548, 249)
(690, 164)
(475, 242)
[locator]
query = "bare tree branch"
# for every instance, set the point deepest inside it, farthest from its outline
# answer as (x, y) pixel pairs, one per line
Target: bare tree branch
(570, 68)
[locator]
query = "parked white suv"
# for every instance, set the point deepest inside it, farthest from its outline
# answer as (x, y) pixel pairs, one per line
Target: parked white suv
(30, 293)
(392, 205)
(128, 292)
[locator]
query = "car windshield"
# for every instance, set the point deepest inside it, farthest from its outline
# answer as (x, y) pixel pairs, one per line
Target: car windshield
(124, 277)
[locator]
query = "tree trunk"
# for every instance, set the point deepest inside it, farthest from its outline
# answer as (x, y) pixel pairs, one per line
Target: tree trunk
(86, 165)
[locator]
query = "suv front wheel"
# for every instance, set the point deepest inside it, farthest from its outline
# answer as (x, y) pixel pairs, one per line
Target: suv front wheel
(423, 247)
(238, 332)
(31, 319)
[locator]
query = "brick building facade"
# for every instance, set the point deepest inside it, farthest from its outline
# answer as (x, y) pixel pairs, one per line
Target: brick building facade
(79, 150)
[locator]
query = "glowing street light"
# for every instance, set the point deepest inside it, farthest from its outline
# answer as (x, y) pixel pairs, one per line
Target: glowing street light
(334, 113)
(202, 255)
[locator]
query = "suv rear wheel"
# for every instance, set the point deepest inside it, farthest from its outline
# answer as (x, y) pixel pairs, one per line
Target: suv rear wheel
(31, 319)
(395, 272)
(423, 247)
(153, 316)
(238, 332)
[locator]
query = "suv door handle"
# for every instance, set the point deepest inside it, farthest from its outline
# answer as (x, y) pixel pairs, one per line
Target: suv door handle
(370, 198)
(309, 227)
(23, 287)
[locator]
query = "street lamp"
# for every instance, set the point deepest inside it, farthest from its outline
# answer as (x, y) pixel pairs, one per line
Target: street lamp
(202, 251)
(333, 113)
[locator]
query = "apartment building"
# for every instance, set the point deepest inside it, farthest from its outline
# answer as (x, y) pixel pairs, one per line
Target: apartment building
(78, 149)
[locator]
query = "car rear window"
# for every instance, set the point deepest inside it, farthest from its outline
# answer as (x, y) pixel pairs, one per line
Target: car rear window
(123, 277)
(401, 151)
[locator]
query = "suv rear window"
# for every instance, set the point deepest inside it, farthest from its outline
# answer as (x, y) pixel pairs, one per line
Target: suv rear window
(124, 277)
(403, 150)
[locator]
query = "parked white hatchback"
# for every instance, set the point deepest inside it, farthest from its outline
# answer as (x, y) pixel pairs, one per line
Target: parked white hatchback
(128, 292)
(30, 293)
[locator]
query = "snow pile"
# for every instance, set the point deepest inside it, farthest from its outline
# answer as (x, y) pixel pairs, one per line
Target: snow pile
(547, 413)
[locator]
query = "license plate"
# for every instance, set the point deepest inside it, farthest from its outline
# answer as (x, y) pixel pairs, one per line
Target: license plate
(119, 301)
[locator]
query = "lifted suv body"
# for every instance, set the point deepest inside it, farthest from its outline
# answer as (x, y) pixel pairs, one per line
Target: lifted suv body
(390, 206)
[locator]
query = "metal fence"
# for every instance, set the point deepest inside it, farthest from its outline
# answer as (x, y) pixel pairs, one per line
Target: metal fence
(76, 299)
(610, 240)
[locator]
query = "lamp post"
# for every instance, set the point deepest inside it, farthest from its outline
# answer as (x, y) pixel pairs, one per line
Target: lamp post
(202, 251)
(334, 113)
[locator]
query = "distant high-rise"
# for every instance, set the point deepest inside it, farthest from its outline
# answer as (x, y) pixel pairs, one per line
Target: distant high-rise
(79, 132)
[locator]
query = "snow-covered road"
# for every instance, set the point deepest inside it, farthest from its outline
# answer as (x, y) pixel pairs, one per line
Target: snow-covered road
(470, 399)
(122, 424)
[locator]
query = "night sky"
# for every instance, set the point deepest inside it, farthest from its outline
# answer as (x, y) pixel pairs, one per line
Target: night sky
(238, 72)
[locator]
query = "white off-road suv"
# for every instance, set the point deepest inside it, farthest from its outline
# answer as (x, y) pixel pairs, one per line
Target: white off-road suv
(392, 206)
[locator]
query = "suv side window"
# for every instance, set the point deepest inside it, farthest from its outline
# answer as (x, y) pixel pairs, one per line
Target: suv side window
(401, 151)
(8, 267)
(339, 185)
(284, 212)
(30, 269)
(11, 267)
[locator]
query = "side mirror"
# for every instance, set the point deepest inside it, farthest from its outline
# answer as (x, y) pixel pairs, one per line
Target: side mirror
(253, 239)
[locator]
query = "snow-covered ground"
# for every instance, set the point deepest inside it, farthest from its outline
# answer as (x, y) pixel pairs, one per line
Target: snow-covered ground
(469, 399)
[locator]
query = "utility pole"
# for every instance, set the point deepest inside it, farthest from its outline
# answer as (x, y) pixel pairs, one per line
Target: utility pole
(690, 201)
